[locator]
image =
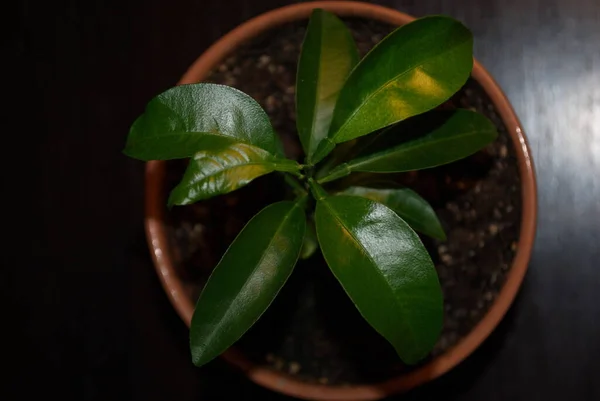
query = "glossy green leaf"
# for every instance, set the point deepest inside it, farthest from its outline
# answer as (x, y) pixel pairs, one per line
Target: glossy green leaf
(224, 166)
(247, 279)
(413, 209)
(414, 69)
(177, 121)
(428, 140)
(385, 269)
(328, 55)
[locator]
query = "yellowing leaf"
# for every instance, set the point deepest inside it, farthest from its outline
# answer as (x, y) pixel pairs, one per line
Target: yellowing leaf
(224, 166)
(328, 55)
(414, 69)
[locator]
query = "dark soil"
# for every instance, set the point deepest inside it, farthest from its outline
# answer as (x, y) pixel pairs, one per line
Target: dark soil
(312, 330)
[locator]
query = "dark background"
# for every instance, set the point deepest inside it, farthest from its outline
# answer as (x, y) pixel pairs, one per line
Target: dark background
(85, 316)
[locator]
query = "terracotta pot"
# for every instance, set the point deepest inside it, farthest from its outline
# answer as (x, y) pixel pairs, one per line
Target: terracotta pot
(180, 295)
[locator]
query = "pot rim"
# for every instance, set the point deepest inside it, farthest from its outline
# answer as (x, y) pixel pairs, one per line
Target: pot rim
(284, 383)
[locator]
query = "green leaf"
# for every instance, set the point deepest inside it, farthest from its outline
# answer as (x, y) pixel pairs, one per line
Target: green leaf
(224, 166)
(413, 209)
(429, 140)
(247, 279)
(310, 244)
(414, 69)
(176, 122)
(328, 55)
(385, 269)
(371, 180)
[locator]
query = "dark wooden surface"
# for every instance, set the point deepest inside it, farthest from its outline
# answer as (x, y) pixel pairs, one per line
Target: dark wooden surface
(90, 320)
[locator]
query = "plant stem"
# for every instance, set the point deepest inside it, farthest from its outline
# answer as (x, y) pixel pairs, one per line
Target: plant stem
(294, 184)
(318, 192)
(326, 168)
(301, 200)
(340, 171)
(343, 151)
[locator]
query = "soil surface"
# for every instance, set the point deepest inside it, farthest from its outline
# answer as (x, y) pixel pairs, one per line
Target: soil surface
(312, 330)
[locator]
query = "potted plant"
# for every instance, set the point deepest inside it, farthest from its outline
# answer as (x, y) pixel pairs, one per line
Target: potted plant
(360, 122)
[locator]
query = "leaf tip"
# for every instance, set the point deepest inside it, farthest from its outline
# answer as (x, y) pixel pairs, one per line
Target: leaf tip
(173, 200)
(493, 134)
(317, 12)
(411, 358)
(199, 355)
(438, 232)
(132, 152)
(440, 235)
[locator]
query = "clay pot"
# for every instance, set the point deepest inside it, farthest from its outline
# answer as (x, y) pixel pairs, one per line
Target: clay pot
(180, 295)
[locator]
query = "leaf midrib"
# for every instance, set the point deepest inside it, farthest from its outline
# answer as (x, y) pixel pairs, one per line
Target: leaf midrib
(271, 164)
(226, 169)
(400, 303)
(387, 83)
